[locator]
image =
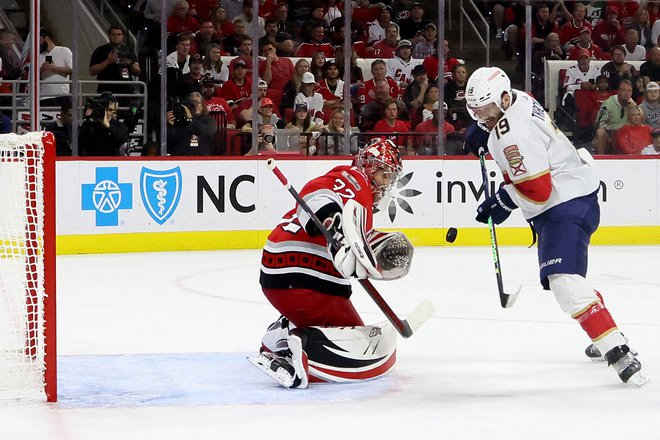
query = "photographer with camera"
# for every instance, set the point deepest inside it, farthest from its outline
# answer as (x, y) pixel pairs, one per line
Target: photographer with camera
(190, 131)
(114, 62)
(101, 134)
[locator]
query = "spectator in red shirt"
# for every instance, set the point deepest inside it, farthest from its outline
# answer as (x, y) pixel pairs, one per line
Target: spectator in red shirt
(222, 26)
(609, 32)
(217, 104)
(239, 85)
(317, 43)
(569, 32)
(385, 48)
(429, 144)
(180, 21)
(274, 70)
(584, 42)
(391, 124)
(379, 73)
(634, 136)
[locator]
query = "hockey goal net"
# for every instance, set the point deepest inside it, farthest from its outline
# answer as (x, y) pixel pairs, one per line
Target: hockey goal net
(28, 368)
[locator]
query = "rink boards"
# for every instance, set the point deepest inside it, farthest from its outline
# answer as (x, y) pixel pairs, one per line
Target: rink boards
(171, 204)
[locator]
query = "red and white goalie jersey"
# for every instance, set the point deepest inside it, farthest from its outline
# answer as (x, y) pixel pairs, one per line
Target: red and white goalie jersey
(292, 258)
(538, 159)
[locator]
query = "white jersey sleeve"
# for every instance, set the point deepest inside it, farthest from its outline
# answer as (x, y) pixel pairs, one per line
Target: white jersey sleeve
(527, 145)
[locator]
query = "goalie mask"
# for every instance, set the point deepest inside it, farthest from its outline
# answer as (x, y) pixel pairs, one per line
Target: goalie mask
(381, 162)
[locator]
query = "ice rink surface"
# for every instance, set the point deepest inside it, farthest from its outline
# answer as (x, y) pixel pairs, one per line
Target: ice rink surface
(153, 346)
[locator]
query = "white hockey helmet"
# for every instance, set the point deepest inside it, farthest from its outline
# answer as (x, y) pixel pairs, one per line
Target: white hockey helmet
(486, 85)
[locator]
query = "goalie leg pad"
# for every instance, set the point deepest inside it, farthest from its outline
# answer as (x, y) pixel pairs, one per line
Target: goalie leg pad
(349, 354)
(577, 297)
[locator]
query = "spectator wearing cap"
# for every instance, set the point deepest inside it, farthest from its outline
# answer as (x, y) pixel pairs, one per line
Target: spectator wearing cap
(244, 53)
(331, 87)
(428, 144)
(651, 105)
(412, 27)
(570, 30)
(311, 97)
(618, 68)
(217, 104)
(239, 86)
(584, 42)
(376, 29)
(634, 51)
(243, 110)
(317, 43)
(303, 121)
(274, 70)
(180, 21)
(654, 147)
(650, 69)
(609, 32)
(114, 62)
(427, 45)
(413, 96)
(265, 115)
(379, 73)
(251, 27)
(386, 47)
(634, 135)
(399, 68)
(55, 66)
(191, 81)
(581, 76)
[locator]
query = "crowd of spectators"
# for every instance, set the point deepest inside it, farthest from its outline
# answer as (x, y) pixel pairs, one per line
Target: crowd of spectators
(209, 66)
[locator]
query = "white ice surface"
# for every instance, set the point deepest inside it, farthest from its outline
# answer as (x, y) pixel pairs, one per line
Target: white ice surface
(152, 346)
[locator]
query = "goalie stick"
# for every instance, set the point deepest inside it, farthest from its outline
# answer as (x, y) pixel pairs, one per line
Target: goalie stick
(506, 300)
(405, 327)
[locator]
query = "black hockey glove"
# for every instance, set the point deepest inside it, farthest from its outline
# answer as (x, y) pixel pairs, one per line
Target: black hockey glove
(476, 140)
(498, 207)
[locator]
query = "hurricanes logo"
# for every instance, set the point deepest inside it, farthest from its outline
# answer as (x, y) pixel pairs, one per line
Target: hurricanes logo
(399, 195)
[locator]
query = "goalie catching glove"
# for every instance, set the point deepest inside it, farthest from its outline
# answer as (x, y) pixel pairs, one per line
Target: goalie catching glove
(380, 256)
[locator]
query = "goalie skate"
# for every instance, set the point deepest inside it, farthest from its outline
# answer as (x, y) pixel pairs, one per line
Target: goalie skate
(280, 369)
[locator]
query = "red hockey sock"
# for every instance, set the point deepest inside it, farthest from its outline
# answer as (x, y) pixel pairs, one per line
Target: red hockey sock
(596, 321)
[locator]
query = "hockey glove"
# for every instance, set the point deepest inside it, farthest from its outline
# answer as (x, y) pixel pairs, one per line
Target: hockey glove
(476, 140)
(498, 207)
(346, 262)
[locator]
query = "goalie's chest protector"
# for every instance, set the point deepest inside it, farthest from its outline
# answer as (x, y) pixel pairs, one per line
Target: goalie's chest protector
(293, 259)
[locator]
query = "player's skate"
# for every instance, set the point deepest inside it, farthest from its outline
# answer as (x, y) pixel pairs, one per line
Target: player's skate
(289, 367)
(595, 355)
(626, 365)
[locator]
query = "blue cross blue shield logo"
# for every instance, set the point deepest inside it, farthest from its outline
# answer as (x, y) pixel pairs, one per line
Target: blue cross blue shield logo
(160, 191)
(107, 196)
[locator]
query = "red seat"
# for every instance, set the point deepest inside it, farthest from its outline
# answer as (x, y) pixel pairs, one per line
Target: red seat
(587, 104)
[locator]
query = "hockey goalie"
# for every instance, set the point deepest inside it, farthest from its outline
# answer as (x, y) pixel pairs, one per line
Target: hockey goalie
(320, 337)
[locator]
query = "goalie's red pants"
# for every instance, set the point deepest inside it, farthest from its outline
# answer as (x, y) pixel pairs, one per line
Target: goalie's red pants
(306, 308)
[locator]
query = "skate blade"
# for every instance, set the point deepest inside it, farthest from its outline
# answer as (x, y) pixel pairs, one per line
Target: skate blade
(263, 364)
(638, 379)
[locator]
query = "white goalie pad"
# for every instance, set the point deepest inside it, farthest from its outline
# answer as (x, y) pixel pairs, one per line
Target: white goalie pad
(354, 218)
(347, 354)
(393, 252)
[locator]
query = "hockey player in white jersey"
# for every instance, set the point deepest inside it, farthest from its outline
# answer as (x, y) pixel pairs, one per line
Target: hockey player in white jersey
(556, 188)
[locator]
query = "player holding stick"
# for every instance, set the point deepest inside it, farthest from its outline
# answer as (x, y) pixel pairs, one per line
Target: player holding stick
(320, 337)
(556, 187)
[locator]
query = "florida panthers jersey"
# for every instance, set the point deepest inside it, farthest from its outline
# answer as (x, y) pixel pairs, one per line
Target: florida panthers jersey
(541, 166)
(292, 258)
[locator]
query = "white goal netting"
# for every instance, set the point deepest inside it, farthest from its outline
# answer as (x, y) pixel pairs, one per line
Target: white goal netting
(22, 345)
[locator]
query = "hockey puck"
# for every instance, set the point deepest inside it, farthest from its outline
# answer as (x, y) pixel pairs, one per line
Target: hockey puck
(451, 235)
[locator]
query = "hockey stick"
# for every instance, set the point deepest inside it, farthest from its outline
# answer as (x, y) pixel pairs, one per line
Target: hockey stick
(505, 299)
(405, 327)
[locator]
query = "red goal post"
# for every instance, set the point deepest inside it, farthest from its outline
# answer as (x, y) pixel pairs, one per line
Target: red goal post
(28, 349)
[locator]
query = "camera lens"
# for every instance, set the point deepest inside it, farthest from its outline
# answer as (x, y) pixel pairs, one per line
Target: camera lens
(269, 138)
